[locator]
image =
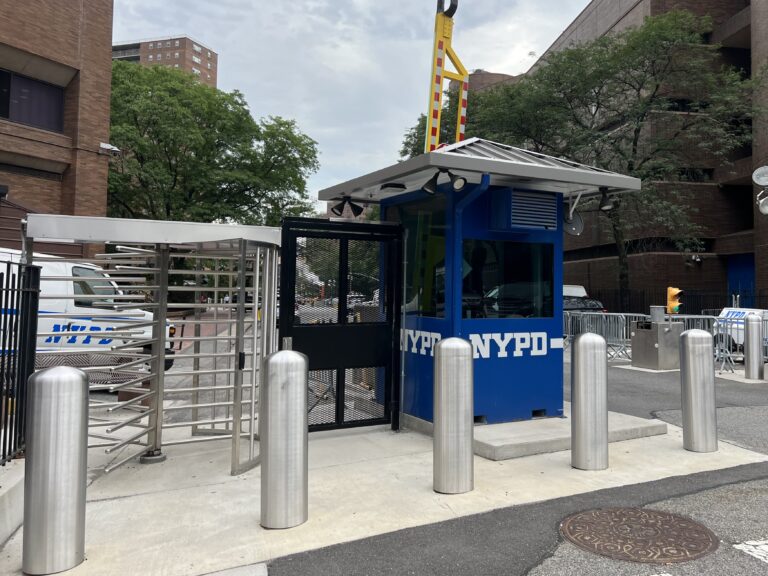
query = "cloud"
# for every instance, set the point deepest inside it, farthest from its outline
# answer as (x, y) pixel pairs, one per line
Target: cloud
(354, 74)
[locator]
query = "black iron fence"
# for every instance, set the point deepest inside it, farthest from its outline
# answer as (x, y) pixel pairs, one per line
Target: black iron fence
(19, 295)
(694, 301)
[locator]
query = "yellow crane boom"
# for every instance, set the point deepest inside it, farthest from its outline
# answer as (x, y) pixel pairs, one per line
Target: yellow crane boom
(443, 48)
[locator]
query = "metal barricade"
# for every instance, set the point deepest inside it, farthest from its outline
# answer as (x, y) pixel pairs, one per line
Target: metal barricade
(728, 334)
(614, 328)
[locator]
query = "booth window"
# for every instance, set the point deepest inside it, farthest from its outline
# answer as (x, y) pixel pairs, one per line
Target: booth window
(505, 279)
(424, 223)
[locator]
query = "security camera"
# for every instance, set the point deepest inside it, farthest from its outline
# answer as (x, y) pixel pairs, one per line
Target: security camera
(107, 149)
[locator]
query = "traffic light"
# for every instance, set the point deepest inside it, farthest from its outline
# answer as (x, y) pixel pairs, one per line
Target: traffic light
(673, 300)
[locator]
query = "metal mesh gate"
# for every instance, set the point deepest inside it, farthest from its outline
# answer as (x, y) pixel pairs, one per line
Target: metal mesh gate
(342, 311)
(172, 334)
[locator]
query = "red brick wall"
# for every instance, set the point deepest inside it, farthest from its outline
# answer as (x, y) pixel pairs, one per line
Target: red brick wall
(719, 211)
(37, 194)
(79, 35)
(650, 271)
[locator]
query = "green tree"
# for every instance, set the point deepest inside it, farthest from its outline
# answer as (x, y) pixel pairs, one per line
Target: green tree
(194, 153)
(654, 102)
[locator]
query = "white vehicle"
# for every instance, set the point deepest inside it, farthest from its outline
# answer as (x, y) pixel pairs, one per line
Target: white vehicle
(574, 290)
(86, 322)
(731, 330)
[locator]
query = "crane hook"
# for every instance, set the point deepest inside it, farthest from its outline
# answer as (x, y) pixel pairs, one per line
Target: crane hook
(451, 9)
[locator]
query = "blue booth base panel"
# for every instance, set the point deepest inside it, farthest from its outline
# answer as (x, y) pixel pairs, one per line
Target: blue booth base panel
(518, 375)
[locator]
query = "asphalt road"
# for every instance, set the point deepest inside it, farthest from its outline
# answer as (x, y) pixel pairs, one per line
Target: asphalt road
(644, 394)
(524, 540)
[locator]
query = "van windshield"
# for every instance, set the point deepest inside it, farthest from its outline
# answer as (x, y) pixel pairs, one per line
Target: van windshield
(93, 283)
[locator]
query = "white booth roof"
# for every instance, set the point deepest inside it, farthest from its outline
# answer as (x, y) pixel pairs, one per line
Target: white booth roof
(506, 165)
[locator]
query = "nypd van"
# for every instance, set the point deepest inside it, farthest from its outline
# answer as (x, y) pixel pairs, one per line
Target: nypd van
(731, 326)
(85, 323)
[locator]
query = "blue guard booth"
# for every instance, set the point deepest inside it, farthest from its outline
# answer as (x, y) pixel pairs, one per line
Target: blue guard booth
(484, 225)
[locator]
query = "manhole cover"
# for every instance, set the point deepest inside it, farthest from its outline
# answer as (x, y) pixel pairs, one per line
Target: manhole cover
(639, 535)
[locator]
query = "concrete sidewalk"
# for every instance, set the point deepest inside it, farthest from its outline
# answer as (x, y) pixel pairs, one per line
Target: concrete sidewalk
(188, 516)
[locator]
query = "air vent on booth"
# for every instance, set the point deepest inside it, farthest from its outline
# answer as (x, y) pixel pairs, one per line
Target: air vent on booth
(534, 210)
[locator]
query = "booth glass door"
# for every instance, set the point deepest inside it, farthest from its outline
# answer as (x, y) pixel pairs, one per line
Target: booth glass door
(339, 305)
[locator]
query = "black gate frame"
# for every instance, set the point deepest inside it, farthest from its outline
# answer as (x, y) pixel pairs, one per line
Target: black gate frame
(365, 334)
(19, 297)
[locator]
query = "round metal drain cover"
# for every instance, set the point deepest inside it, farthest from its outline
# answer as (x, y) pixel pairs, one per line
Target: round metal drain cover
(639, 535)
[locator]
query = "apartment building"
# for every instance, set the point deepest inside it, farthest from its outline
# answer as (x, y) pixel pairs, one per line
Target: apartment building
(181, 52)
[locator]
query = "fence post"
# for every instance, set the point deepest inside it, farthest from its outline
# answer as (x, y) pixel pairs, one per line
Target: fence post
(56, 470)
(453, 430)
(697, 376)
(283, 429)
(589, 403)
(753, 347)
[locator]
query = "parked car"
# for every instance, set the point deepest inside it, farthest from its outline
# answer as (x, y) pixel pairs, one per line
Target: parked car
(574, 290)
(582, 304)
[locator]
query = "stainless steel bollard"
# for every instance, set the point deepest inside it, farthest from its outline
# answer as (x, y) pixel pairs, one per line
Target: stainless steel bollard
(453, 429)
(56, 470)
(697, 377)
(283, 428)
(753, 347)
(589, 403)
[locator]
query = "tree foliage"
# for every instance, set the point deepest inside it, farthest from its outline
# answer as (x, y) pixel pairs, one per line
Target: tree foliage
(192, 152)
(655, 102)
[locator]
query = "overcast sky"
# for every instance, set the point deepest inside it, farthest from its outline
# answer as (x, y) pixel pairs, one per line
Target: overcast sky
(354, 74)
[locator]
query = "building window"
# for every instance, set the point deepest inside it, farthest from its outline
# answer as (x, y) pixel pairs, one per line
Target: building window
(196, 59)
(209, 65)
(196, 48)
(31, 102)
(195, 71)
(209, 76)
(159, 56)
(151, 57)
(175, 65)
(151, 45)
(209, 53)
(176, 55)
(168, 44)
(5, 93)
(168, 55)
(177, 43)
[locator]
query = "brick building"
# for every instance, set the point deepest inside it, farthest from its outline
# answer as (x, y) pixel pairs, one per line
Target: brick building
(179, 52)
(55, 79)
(734, 233)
